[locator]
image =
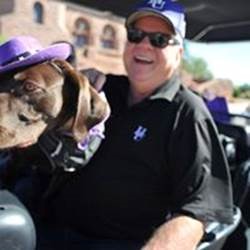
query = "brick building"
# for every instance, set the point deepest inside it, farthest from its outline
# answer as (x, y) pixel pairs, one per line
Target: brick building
(99, 37)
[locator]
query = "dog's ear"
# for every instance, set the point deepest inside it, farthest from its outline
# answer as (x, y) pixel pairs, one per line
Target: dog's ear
(89, 107)
(99, 108)
(96, 111)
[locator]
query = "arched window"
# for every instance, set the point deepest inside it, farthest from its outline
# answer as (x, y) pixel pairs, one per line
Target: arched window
(38, 12)
(81, 33)
(108, 38)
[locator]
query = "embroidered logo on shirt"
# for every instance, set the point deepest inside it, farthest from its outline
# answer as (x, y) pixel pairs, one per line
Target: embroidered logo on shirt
(139, 133)
(157, 4)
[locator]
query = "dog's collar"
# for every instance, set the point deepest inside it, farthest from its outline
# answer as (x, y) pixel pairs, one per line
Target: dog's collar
(62, 152)
(96, 131)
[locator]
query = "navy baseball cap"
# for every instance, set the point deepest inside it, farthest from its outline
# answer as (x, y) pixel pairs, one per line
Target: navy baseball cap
(168, 10)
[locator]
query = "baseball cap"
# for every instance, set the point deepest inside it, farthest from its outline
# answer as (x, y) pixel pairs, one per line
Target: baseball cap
(169, 10)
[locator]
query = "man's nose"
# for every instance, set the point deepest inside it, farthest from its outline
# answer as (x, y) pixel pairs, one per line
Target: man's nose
(145, 42)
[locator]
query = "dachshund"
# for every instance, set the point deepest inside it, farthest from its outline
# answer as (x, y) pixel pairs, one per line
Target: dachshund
(47, 96)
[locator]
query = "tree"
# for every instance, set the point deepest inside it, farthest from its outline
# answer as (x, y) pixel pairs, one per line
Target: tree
(197, 67)
(242, 91)
(2, 39)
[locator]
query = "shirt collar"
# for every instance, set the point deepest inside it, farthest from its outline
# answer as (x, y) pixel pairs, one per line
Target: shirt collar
(168, 89)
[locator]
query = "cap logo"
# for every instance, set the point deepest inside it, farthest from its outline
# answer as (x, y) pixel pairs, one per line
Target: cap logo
(157, 4)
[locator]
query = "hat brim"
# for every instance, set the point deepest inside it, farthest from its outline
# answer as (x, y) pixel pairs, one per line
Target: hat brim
(144, 13)
(56, 51)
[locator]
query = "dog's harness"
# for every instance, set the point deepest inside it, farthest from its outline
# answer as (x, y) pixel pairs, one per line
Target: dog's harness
(66, 157)
(64, 153)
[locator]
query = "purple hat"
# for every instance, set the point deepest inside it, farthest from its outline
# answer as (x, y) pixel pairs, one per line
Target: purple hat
(168, 10)
(21, 51)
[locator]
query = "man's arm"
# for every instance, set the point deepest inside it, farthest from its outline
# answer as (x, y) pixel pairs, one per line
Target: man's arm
(179, 233)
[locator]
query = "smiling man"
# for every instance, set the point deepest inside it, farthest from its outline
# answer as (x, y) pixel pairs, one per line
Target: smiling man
(160, 174)
(152, 54)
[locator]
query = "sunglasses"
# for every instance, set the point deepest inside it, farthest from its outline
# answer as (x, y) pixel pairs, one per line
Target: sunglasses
(157, 39)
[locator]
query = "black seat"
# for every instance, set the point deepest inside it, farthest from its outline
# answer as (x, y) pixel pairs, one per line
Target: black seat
(241, 137)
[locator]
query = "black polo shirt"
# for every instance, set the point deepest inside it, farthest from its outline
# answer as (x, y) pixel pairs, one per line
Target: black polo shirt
(160, 157)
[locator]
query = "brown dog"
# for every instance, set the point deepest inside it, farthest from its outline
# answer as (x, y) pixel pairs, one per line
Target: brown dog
(50, 95)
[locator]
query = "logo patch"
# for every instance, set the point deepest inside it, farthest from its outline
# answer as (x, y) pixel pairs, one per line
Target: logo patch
(140, 133)
(157, 4)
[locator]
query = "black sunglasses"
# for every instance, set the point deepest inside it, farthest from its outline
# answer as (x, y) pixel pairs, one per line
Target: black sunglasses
(157, 39)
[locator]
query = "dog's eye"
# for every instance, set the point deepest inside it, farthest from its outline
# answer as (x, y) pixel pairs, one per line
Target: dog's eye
(30, 86)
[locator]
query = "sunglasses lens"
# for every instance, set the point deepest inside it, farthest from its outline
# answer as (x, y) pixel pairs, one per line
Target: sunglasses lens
(134, 35)
(159, 40)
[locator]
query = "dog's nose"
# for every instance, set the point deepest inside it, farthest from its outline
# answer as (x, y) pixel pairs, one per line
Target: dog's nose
(23, 118)
(29, 119)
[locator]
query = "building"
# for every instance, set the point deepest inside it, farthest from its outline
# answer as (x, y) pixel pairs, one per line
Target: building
(99, 37)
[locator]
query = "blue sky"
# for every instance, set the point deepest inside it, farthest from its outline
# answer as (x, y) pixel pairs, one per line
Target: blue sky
(225, 60)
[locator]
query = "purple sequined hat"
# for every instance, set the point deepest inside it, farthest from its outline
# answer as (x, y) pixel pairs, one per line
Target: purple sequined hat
(22, 51)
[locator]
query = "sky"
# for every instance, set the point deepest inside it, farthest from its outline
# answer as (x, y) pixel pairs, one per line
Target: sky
(225, 60)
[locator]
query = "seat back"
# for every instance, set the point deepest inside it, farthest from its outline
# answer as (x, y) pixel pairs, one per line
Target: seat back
(240, 135)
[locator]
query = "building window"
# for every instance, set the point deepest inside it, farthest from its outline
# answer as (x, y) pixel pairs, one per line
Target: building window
(81, 33)
(38, 12)
(108, 38)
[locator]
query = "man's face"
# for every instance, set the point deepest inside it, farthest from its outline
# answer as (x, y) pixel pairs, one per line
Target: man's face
(147, 65)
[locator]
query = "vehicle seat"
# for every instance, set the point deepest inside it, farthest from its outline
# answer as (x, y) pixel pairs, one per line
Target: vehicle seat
(17, 230)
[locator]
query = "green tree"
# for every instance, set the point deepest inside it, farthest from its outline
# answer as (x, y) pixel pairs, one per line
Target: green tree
(2, 39)
(242, 91)
(197, 67)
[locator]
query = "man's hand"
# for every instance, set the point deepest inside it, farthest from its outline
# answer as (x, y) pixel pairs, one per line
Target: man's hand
(95, 77)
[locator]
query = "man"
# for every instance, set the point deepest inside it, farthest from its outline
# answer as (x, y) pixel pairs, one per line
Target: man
(160, 174)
